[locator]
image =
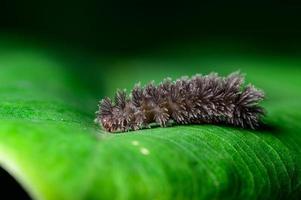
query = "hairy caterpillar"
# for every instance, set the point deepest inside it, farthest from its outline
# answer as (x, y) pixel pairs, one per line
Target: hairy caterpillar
(196, 100)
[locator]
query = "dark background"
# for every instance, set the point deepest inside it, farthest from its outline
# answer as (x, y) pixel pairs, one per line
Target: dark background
(135, 25)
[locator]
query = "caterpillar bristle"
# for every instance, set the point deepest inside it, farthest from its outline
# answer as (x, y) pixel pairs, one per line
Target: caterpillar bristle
(196, 100)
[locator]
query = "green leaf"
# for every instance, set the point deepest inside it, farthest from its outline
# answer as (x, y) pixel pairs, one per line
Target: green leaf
(49, 143)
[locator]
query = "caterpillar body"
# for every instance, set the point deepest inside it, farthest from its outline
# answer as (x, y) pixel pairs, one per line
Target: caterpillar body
(197, 100)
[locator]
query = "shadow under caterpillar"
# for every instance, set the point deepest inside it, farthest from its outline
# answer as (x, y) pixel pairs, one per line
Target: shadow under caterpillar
(196, 100)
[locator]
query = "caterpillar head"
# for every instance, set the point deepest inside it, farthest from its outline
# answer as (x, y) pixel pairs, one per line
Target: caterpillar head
(117, 117)
(105, 115)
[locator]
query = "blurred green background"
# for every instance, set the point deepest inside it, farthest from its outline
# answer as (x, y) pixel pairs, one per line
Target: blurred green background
(175, 38)
(95, 47)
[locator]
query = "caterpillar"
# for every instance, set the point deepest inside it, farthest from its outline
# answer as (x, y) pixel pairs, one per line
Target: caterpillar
(197, 100)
